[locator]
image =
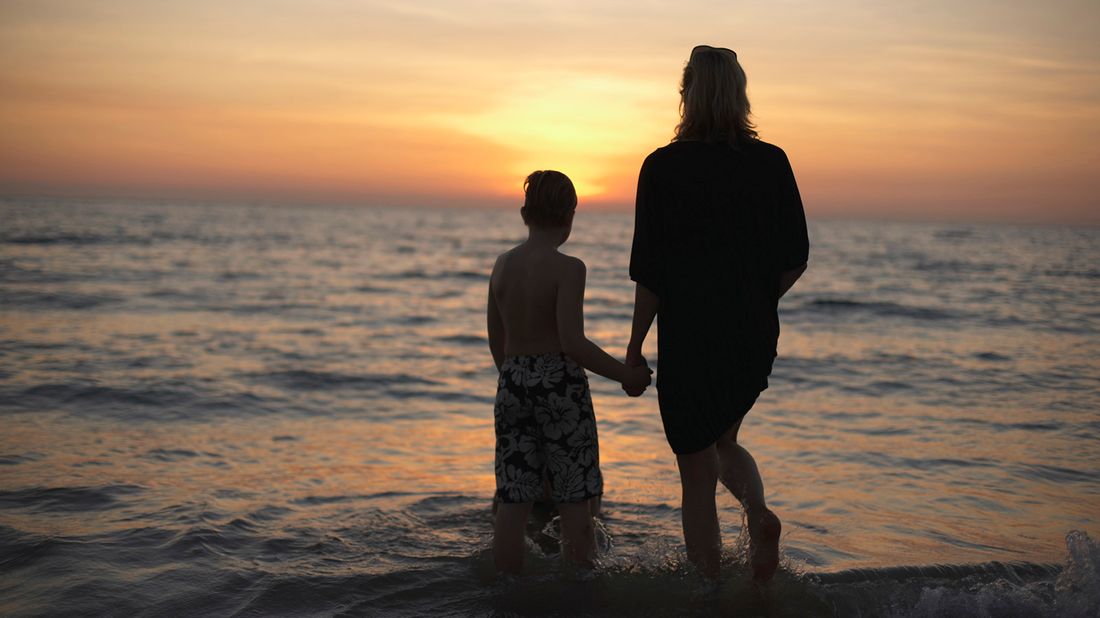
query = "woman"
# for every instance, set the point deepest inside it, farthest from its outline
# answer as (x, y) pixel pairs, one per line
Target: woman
(719, 237)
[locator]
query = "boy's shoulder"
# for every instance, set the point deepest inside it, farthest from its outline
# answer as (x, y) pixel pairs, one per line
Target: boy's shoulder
(562, 262)
(572, 259)
(502, 257)
(557, 256)
(572, 265)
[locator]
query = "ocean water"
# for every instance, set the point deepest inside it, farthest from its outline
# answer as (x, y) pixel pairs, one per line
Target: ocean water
(244, 410)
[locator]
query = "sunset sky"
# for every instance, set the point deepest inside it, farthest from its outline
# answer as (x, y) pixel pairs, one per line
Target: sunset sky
(939, 109)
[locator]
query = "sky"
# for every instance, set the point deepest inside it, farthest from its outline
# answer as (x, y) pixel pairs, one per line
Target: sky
(981, 110)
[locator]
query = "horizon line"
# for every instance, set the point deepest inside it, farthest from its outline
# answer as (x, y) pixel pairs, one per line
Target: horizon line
(500, 204)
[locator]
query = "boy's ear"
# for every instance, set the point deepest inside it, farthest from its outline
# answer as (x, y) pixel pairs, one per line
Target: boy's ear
(523, 213)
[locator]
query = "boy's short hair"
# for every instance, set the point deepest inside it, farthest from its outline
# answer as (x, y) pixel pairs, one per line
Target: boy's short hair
(549, 199)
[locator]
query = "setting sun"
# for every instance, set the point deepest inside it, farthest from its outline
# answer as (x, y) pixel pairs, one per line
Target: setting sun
(946, 111)
(563, 121)
(289, 326)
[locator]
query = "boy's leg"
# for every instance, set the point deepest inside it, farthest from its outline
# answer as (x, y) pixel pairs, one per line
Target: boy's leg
(698, 479)
(741, 476)
(578, 447)
(578, 534)
(509, 543)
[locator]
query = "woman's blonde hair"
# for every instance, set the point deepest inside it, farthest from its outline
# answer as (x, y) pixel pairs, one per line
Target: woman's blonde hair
(713, 104)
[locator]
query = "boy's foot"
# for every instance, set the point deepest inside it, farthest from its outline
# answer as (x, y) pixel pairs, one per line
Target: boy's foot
(764, 546)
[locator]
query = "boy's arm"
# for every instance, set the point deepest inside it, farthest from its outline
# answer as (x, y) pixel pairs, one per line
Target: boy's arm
(646, 304)
(495, 325)
(570, 312)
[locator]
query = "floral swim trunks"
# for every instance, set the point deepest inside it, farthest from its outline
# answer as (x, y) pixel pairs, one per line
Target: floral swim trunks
(545, 428)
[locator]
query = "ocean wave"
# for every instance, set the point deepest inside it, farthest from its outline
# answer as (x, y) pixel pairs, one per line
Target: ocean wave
(419, 273)
(992, 589)
(412, 554)
(1090, 273)
(240, 275)
(177, 454)
(337, 368)
(30, 299)
(442, 396)
(611, 316)
(13, 272)
(168, 400)
(957, 266)
(17, 459)
(77, 239)
(1056, 474)
(464, 340)
(108, 396)
(195, 297)
(373, 289)
(887, 461)
(68, 499)
(416, 320)
(271, 308)
(184, 401)
(882, 309)
(1026, 426)
(312, 380)
(954, 233)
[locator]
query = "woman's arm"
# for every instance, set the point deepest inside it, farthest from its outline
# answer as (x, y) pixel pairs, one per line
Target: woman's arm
(643, 264)
(646, 304)
(787, 279)
(793, 246)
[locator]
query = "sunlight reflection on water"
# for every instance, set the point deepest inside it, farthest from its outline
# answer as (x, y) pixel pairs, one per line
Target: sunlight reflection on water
(260, 381)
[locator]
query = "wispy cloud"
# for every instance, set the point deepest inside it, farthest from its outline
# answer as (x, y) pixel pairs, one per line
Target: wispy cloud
(446, 100)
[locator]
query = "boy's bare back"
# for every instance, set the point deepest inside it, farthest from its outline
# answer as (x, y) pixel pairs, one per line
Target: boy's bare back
(525, 284)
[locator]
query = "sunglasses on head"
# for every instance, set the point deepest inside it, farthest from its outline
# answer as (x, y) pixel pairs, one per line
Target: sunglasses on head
(706, 48)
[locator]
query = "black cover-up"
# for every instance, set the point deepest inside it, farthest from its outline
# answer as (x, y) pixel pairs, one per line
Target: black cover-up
(714, 227)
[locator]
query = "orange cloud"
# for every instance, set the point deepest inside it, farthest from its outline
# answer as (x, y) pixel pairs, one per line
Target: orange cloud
(887, 112)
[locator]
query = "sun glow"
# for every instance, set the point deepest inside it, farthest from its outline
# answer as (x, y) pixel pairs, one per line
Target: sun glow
(579, 124)
(947, 111)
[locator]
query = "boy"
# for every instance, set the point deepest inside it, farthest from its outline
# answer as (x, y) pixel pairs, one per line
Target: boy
(545, 426)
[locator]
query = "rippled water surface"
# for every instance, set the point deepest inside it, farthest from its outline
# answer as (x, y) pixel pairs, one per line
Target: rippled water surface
(261, 410)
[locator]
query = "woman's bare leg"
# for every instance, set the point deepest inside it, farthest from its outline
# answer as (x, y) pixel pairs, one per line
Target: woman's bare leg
(698, 479)
(738, 472)
(740, 475)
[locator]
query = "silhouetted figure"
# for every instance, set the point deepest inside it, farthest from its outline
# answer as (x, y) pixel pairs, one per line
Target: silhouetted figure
(544, 422)
(719, 237)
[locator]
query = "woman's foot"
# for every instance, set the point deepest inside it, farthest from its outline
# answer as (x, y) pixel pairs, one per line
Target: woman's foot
(764, 545)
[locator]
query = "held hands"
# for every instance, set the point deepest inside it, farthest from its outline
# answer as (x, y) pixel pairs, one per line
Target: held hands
(640, 375)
